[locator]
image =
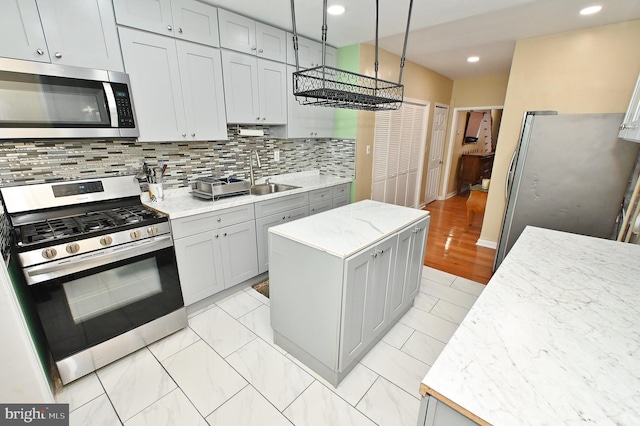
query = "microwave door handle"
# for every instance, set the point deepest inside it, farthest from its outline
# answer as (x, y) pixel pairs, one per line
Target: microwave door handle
(111, 103)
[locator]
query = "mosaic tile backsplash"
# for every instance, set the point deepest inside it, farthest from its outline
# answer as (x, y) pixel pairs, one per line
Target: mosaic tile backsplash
(26, 162)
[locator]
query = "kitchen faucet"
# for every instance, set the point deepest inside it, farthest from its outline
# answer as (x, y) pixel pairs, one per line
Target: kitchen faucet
(251, 177)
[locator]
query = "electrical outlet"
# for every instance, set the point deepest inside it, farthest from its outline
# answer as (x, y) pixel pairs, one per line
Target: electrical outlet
(276, 155)
(368, 149)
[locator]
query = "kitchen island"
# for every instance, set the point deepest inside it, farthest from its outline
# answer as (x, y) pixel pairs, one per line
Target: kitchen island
(339, 280)
(553, 340)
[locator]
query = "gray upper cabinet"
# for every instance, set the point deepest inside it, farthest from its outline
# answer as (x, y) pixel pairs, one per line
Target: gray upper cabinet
(184, 19)
(245, 35)
(177, 87)
(254, 89)
(79, 33)
(310, 53)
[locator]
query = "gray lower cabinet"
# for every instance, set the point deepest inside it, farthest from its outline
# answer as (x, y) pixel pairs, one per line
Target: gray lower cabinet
(437, 413)
(329, 311)
(211, 256)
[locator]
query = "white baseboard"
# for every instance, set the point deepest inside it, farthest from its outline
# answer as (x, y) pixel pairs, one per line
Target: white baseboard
(451, 194)
(487, 243)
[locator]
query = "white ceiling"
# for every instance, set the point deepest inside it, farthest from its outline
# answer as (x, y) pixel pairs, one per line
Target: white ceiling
(443, 32)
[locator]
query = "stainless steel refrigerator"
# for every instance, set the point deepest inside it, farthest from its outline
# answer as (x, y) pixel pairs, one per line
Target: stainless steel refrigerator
(569, 172)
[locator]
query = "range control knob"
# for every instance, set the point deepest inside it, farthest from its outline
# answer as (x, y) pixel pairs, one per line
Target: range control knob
(49, 253)
(152, 230)
(106, 241)
(136, 234)
(73, 248)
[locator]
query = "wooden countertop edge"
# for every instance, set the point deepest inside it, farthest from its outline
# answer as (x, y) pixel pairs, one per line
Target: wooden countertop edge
(426, 390)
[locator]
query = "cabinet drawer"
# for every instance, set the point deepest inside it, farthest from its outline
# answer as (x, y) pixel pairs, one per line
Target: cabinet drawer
(320, 195)
(191, 225)
(281, 204)
(321, 206)
(341, 201)
(341, 190)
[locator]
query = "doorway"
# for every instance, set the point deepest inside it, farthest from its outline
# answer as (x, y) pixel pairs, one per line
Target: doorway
(434, 165)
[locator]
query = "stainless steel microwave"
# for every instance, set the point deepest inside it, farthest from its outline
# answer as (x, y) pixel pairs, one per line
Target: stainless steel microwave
(39, 101)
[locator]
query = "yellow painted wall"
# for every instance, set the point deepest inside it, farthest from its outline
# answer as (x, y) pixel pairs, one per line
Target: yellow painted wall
(472, 92)
(420, 83)
(586, 71)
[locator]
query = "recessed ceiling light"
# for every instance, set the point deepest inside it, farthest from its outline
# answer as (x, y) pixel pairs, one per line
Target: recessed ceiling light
(590, 10)
(336, 9)
(473, 59)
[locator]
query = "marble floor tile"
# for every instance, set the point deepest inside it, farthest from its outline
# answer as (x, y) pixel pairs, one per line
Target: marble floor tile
(171, 410)
(424, 301)
(396, 366)
(261, 297)
(319, 406)
(423, 348)
(388, 405)
(444, 292)
(449, 311)
(274, 375)
(259, 321)
(135, 382)
(247, 408)
(221, 331)
(98, 412)
(468, 286)
(206, 379)
(398, 335)
(352, 388)
(164, 348)
(79, 392)
(429, 324)
(238, 304)
(437, 275)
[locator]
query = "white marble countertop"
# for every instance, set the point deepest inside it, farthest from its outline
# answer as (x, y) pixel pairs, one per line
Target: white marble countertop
(554, 339)
(179, 202)
(348, 229)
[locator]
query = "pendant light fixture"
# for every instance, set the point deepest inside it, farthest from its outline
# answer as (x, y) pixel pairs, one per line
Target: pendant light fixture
(335, 88)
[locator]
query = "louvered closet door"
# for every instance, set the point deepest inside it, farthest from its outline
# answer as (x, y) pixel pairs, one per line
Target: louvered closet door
(398, 139)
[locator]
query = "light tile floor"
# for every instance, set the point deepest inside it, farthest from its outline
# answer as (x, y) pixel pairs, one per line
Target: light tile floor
(224, 369)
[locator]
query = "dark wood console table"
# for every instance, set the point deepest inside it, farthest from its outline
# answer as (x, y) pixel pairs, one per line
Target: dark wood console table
(473, 168)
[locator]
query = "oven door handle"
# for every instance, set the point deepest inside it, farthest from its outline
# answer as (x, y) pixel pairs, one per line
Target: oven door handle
(41, 273)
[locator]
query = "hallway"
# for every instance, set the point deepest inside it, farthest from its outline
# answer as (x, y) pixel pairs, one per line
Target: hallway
(453, 249)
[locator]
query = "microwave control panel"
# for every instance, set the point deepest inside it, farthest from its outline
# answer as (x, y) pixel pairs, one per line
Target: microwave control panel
(123, 105)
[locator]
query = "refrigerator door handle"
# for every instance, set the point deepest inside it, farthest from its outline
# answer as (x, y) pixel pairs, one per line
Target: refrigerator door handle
(507, 182)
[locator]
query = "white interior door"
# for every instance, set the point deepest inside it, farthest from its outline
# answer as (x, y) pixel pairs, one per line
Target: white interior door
(434, 167)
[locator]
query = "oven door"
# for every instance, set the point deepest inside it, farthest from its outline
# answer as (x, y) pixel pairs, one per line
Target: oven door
(85, 308)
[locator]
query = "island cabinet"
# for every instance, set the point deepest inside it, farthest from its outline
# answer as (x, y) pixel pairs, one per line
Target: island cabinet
(340, 279)
(215, 251)
(80, 33)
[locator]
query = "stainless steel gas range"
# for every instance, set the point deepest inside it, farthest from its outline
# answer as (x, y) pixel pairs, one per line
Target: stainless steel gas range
(99, 266)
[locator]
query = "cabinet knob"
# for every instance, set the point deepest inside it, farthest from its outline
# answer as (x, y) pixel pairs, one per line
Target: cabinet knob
(257, 118)
(180, 30)
(58, 55)
(184, 135)
(40, 51)
(264, 118)
(260, 51)
(624, 126)
(253, 48)
(219, 219)
(225, 234)
(193, 135)
(169, 27)
(374, 254)
(284, 217)
(289, 217)
(217, 235)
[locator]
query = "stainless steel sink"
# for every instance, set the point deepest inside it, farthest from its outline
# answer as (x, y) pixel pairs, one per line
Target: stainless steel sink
(270, 188)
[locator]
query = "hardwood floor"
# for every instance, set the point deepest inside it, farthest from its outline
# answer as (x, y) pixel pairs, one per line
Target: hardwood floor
(451, 247)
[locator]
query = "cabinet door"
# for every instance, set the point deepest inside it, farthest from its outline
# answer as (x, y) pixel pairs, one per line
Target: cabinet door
(306, 52)
(152, 64)
(199, 266)
(238, 247)
(300, 118)
(324, 122)
(416, 260)
(402, 271)
(330, 58)
(271, 42)
(149, 15)
(262, 227)
(630, 128)
(81, 33)
(241, 88)
(237, 32)
(272, 86)
(195, 21)
(376, 315)
(202, 91)
(21, 35)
